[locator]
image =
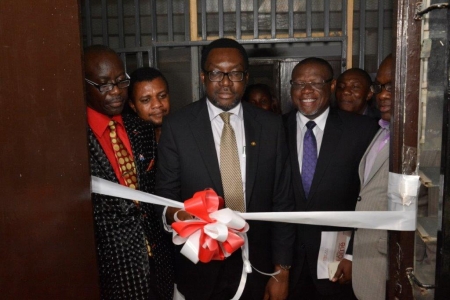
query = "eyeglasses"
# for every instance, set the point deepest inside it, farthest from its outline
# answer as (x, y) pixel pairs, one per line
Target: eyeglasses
(315, 85)
(217, 76)
(377, 88)
(103, 88)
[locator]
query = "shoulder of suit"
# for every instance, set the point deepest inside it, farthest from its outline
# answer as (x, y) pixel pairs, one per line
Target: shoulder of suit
(289, 116)
(187, 112)
(258, 112)
(135, 126)
(352, 118)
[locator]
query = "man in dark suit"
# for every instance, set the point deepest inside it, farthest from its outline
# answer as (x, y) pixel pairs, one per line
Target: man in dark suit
(326, 146)
(134, 256)
(190, 161)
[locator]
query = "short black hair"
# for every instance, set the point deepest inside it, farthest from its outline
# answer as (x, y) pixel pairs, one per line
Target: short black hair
(224, 43)
(366, 77)
(317, 60)
(144, 74)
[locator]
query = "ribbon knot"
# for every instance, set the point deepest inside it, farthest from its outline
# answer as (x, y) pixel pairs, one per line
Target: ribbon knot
(215, 233)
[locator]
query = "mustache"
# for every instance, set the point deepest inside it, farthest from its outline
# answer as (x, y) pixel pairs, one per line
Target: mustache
(115, 99)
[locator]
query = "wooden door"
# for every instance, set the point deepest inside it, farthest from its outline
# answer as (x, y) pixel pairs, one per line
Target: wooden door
(47, 248)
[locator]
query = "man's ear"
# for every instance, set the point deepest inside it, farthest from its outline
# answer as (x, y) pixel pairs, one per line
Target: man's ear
(333, 86)
(202, 77)
(133, 107)
(369, 95)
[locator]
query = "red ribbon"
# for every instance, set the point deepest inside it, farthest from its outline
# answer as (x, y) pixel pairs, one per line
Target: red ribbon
(201, 205)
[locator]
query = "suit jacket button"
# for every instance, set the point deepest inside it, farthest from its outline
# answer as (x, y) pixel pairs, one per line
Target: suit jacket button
(359, 198)
(302, 246)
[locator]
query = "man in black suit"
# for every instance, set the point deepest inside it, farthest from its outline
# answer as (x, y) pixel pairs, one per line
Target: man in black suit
(189, 161)
(134, 256)
(340, 139)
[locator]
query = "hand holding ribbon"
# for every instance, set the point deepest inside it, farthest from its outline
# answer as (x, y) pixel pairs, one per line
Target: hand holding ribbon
(215, 234)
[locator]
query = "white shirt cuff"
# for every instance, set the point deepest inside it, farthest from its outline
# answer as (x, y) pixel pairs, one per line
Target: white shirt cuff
(348, 257)
(166, 226)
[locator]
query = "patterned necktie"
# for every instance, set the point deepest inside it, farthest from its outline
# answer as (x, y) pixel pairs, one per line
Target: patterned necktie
(125, 160)
(230, 169)
(309, 160)
(126, 165)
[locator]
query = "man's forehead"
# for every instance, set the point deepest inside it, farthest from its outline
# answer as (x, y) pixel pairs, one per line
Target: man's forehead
(354, 76)
(225, 54)
(310, 69)
(96, 62)
(384, 75)
(352, 73)
(101, 55)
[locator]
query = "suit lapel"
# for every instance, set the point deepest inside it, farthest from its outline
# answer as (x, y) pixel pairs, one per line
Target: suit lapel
(100, 165)
(382, 156)
(331, 137)
(252, 144)
(296, 176)
(202, 132)
(143, 153)
(379, 160)
(362, 163)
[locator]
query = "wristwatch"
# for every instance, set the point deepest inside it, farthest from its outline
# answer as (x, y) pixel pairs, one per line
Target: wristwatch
(285, 267)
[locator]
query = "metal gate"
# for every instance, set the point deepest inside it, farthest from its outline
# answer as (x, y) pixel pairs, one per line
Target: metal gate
(169, 34)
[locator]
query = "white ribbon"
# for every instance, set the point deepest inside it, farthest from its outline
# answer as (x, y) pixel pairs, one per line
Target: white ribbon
(387, 220)
(105, 187)
(403, 219)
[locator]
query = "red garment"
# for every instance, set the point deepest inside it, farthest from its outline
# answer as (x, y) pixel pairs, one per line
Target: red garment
(99, 125)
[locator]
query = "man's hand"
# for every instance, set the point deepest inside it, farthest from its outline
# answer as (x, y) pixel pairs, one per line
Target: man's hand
(182, 215)
(277, 289)
(344, 272)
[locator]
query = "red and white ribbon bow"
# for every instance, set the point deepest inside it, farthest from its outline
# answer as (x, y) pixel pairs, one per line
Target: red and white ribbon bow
(214, 234)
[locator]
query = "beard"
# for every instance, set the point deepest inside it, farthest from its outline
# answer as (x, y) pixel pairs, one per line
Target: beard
(225, 106)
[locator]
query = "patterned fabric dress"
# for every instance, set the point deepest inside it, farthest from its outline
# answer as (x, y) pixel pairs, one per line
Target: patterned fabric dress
(121, 226)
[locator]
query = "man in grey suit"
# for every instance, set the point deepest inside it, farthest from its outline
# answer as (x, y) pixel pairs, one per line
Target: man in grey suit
(370, 246)
(190, 160)
(324, 172)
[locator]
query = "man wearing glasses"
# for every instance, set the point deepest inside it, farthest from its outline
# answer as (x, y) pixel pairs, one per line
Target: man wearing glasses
(133, 255)
(325, 146)
(191, 158)
(370, 246)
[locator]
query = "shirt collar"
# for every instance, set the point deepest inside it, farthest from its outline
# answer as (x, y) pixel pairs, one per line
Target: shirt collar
(320, 120)
(214, 111)
(99, 122)
(384, 124)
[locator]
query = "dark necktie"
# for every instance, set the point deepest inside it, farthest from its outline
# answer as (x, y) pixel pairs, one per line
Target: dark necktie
(230, 169)
(309, 160)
